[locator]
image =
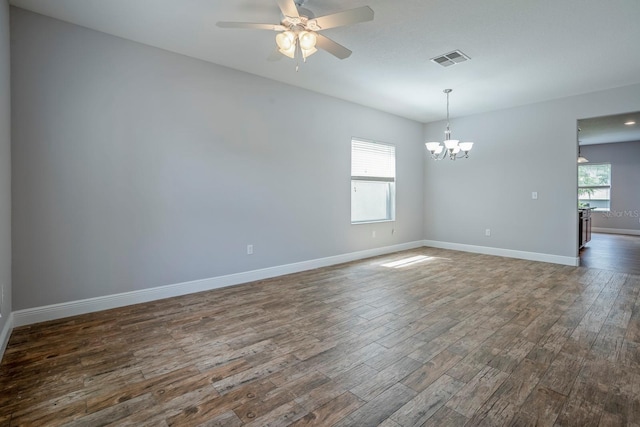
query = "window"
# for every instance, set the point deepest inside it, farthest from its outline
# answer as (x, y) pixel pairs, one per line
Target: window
(594, 186)
(373, 182)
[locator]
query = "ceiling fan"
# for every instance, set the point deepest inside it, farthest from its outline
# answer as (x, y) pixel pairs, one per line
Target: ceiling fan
(298, 30)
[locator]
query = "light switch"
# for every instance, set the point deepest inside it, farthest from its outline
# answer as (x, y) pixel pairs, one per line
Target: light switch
(534, 195)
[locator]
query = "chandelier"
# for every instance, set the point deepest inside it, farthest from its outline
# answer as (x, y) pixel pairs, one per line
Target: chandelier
(451, 148)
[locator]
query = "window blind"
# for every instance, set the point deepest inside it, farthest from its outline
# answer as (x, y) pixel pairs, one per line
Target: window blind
(373, 161)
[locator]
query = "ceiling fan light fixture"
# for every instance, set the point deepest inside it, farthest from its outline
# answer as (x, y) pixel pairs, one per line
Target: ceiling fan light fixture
(298, 29)
(286, 40)
(308, 52)
(291, 52)
(307, 40)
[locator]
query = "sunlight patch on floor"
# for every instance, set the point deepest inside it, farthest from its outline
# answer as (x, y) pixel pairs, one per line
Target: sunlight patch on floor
(405, 262)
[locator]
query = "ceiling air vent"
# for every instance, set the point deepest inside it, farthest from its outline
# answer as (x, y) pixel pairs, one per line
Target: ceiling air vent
(450, 58)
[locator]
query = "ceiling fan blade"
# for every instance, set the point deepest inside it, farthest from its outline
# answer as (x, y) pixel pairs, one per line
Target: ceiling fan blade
(352, 16)
(250, 25)
(288, 8)
(337, 50)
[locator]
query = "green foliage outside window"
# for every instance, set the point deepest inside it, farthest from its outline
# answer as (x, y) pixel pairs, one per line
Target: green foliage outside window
(594, 184)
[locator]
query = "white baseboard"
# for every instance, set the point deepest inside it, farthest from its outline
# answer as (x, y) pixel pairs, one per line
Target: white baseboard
(5, 334)
(72, 308)
(509, 253)
(615, 231)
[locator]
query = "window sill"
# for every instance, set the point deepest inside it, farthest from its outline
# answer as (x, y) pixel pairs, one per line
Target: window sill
(373, 221)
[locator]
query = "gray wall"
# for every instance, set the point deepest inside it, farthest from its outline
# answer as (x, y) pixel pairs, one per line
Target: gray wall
(5, 165)
(134, 168)
(517, 151)
(625, 184)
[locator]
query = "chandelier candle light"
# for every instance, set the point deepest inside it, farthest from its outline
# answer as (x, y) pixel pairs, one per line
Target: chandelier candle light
(452, 148)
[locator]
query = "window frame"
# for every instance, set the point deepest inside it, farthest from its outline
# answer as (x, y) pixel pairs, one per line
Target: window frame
(596, 187)
(390, 205)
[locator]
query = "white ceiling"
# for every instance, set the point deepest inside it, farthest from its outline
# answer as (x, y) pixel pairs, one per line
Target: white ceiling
(521, 51)
(609, 129)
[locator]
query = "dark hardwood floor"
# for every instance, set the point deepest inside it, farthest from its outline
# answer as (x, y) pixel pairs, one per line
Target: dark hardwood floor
(425, 337)
(616, 252)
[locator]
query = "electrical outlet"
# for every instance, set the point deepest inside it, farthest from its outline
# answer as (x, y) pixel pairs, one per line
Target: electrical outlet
(487, 232)
(249, 249)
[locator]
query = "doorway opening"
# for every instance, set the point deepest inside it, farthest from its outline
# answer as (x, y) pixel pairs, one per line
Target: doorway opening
(608, 196)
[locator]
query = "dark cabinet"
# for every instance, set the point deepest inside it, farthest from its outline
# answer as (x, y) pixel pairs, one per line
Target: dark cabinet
(584, 227)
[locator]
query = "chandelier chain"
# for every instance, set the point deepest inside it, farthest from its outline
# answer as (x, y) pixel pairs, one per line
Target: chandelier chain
(447, 109)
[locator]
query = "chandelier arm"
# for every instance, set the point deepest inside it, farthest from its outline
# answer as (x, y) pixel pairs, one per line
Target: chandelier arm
(435, 156)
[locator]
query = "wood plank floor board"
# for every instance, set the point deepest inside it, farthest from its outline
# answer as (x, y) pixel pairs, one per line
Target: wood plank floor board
(455, 339)
(381, 407)
(426, 403)
(196, 408)
(517, 387)
(429, 372)
(496, 411)
(331, 412)
(541, 408)
(577, 412)
(386, 378)
(615, 252)
(472, 396)
(279, 396)
(562, 373)
(388, 357)
(446, 417)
